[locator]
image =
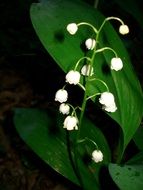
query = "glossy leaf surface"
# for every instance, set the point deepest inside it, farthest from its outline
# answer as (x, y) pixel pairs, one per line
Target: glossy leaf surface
(127, 177)
(47, 138)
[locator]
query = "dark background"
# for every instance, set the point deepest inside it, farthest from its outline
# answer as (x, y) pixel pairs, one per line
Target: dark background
(26, 80)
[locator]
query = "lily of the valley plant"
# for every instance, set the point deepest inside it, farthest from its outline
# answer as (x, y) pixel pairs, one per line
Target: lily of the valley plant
(83, 68)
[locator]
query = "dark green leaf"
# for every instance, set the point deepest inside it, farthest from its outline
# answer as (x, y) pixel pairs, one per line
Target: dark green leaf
(128, 177)
(138, 138)
(47, 138)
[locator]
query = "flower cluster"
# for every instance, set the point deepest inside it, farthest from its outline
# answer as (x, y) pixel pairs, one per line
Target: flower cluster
(90, 43)
(73, 27)
(73, 78)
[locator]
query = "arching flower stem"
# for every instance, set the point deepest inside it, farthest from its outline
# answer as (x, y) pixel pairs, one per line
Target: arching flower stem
(107, 19)
(81, 86)
(74, 109)
(89, 140)
(107, 48)
(85, 23)
(92, 96)
(82, 58)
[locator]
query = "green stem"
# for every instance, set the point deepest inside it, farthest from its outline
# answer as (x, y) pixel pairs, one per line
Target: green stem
(85, 23)
(80, 121)
(96, 4)
(82, 58)
(86, 87)
(107, 48)
(107, 19)
(85, 95)
(85, 100)
(89, 140)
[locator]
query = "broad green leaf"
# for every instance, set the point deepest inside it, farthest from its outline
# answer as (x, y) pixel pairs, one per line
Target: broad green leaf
(127, 177)
(47, 138)
(50, 20)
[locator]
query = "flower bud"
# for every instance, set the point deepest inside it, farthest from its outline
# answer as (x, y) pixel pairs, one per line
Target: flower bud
(97, 156)
(73, 77)
(61, 96)
(123, 29)
(70, 123)
(116, 64)
(64, 108)
(90, 44)
(86, 69)
(72, 28)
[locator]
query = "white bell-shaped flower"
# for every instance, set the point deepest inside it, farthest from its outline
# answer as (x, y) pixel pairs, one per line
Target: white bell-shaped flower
(106, 98)
(61, 96)
(64, 108)
(123, 29)
(97, 156)
(116, 64)
(73, 77)
(72, 28)
(108, 102)
(90, 44)
(70, 123)
(86, 69)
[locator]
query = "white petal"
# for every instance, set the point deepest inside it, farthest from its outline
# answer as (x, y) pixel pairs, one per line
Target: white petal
(116, 64)
(123, 29)
(106, 99)
(73, 77)
(61, 96)
(97, 156)
(64, 108)
(70, 123)
(72, 28)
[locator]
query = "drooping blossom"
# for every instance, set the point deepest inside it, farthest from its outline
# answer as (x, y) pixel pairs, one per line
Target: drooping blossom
(70, 123)
(72, 28)
(73, 77)
(123, 29)
(116, 64)
(61, 96)
(108, 102)
(97, 156)
(64, 108)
